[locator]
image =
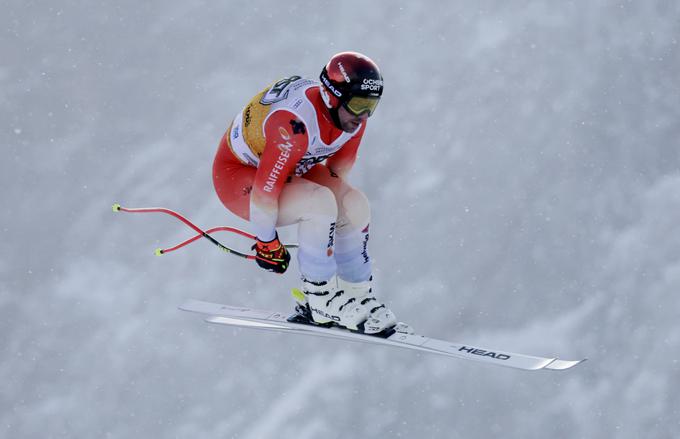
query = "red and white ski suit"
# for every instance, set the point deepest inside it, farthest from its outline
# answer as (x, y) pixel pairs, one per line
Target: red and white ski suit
(282, 162)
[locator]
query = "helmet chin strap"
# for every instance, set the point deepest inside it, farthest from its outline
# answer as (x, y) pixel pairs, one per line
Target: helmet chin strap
(335, 116)
(333, 111)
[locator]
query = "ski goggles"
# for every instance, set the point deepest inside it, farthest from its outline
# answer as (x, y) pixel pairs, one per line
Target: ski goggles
(358, 105)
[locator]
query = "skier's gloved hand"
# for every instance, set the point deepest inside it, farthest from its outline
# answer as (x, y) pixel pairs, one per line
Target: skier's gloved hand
(272, 255)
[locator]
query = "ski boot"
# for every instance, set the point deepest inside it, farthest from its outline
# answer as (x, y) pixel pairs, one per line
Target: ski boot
(347, 304)
(310, 292)
(381, 320)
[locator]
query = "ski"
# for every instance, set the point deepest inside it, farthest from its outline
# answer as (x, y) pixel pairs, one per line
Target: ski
(276, 321)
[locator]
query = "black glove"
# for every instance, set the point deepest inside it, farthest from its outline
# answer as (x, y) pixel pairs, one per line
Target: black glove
(272, 255)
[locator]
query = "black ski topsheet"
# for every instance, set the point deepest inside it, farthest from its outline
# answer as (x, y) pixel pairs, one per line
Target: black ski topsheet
(276, 321)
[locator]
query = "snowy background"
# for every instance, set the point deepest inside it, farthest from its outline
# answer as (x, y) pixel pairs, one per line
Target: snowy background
(523, 170)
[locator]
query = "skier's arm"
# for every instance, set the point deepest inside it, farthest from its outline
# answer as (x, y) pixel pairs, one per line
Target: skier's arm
(284, 148)
(341, 162)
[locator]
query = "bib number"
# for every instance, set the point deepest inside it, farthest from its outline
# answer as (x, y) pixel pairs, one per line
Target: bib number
(278, 91)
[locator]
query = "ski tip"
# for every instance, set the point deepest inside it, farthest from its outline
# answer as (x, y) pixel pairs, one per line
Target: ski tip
(159, 252)
(563, 364)
(116, 207)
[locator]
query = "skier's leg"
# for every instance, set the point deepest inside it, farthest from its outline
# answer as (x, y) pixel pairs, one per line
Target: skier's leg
(314, 209)
(351, 254)
(351, 233)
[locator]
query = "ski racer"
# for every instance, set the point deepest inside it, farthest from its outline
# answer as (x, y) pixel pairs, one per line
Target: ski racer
(284, 160)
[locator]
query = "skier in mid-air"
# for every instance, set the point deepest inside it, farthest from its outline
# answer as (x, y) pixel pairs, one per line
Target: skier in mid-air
(270, 170)
(283, 161)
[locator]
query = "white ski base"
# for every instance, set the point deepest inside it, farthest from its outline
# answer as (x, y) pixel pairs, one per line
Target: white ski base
(276, 321)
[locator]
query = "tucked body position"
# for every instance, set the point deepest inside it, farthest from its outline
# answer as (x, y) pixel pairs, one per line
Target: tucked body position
(283, 161)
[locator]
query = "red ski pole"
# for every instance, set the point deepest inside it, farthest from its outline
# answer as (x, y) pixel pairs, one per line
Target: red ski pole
(201, 234)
